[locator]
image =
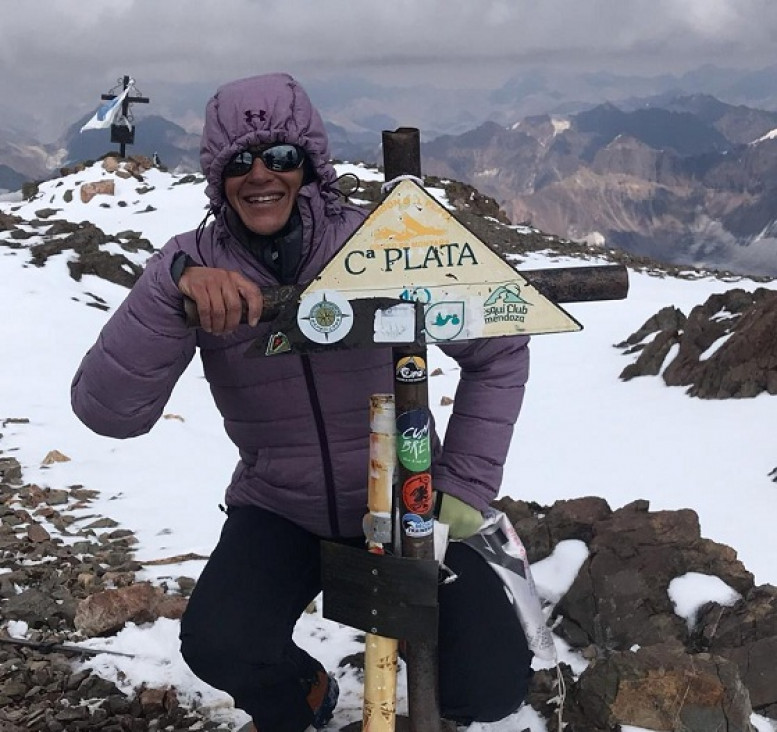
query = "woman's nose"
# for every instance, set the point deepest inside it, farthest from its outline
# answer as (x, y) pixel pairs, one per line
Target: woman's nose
(258, 171)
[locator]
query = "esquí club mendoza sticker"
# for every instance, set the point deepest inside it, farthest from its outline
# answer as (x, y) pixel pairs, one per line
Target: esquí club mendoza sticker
(325, 316)
(417, 493)
(414, 448)
(410, 370)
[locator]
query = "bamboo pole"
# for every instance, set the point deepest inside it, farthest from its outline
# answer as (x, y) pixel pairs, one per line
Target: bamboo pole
(380, 653)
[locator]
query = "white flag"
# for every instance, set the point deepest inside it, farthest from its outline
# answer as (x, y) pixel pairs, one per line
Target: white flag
(106, 115)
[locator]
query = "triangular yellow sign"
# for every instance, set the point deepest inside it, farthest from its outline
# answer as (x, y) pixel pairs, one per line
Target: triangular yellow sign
(411, 248)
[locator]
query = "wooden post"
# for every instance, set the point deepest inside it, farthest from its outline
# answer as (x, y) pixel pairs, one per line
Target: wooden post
(380, 653)
(414, 498)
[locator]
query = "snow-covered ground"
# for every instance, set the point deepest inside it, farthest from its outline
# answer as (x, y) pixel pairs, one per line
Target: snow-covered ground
(582, 432)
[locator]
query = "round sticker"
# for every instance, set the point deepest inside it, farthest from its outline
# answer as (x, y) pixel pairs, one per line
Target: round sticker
(325, 316)
(410, 369)
(417, 493)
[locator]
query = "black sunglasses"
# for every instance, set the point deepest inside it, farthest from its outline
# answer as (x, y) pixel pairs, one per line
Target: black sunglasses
(280, 158)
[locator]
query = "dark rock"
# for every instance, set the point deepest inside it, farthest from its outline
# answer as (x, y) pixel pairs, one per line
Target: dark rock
(652, 357)
(9, 221)
(744, 364)
(746, 633)
(185, 585)
(620, 596)
(541, 528)
(46, 213)
(660, 687)
(545, 693)
(667, 319)
(10, 470)
(62, 227)
(36, 533)
(36, 608)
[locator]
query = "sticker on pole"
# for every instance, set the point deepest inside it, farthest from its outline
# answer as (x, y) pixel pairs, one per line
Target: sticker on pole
(414, 448)
(325, 316)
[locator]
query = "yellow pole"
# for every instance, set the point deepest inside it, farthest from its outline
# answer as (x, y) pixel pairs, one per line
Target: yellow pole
(380, 654)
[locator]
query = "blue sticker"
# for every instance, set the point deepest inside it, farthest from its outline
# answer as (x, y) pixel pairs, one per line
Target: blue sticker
(416, 526)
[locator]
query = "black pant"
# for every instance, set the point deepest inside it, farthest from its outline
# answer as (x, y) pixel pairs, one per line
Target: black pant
(236, 631)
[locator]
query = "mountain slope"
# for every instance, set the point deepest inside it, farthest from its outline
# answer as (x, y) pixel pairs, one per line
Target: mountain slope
(583, 431)
(676, 184)
(153, 134)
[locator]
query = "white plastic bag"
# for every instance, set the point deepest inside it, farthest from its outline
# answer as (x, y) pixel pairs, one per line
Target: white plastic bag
(499, 544)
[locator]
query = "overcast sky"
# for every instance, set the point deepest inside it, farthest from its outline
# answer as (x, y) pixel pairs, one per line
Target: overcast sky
(59, 50)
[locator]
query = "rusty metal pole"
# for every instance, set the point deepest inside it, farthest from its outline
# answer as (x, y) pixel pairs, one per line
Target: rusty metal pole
(414, 497)
(401, 152)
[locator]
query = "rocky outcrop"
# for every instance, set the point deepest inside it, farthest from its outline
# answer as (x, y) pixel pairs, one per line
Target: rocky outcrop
(745, 633)
(648, 666)
(54, 588)
(86, 242)
(621, 594)
(661, 688)
(725, 348)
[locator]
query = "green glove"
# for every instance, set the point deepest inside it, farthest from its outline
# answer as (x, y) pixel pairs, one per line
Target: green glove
(463, 520)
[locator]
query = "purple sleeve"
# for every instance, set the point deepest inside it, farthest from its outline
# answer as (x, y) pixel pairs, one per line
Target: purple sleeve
(126, 378)
(488, 399)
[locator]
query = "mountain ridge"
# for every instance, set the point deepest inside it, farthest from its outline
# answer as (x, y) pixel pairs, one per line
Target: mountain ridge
(688, 179)
(665, 183)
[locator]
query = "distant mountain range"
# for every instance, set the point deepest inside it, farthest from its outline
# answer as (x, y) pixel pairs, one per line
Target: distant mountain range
(23, 159)
(694, 182)
(631, 162)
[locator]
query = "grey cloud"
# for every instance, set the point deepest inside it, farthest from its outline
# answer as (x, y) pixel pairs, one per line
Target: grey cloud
(71, 50)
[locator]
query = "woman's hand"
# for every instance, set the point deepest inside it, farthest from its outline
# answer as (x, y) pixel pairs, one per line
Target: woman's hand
(222, 298)
(463, 520)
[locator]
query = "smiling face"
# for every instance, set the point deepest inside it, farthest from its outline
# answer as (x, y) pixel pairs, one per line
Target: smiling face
(262, 198)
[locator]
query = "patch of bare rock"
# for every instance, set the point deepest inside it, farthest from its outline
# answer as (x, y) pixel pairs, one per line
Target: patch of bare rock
(725, 348)
(65, 593)
(647, 667)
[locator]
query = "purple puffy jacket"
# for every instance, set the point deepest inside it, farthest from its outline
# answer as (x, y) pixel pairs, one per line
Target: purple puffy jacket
(300, 423)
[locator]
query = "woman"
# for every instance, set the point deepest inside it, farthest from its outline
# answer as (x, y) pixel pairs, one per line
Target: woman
(300, 423)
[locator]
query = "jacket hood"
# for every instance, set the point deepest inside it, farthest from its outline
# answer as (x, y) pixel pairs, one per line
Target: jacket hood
(260, 110)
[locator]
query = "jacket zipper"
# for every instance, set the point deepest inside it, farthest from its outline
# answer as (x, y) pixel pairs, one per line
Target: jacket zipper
(326, 456)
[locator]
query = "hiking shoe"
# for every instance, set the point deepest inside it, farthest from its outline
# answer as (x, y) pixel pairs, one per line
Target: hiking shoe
(322, 698)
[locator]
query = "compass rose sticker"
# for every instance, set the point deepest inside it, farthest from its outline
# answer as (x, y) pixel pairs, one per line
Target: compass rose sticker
(325, 316)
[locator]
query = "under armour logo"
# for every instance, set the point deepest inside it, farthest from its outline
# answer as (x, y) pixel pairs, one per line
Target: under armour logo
(261, 114)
